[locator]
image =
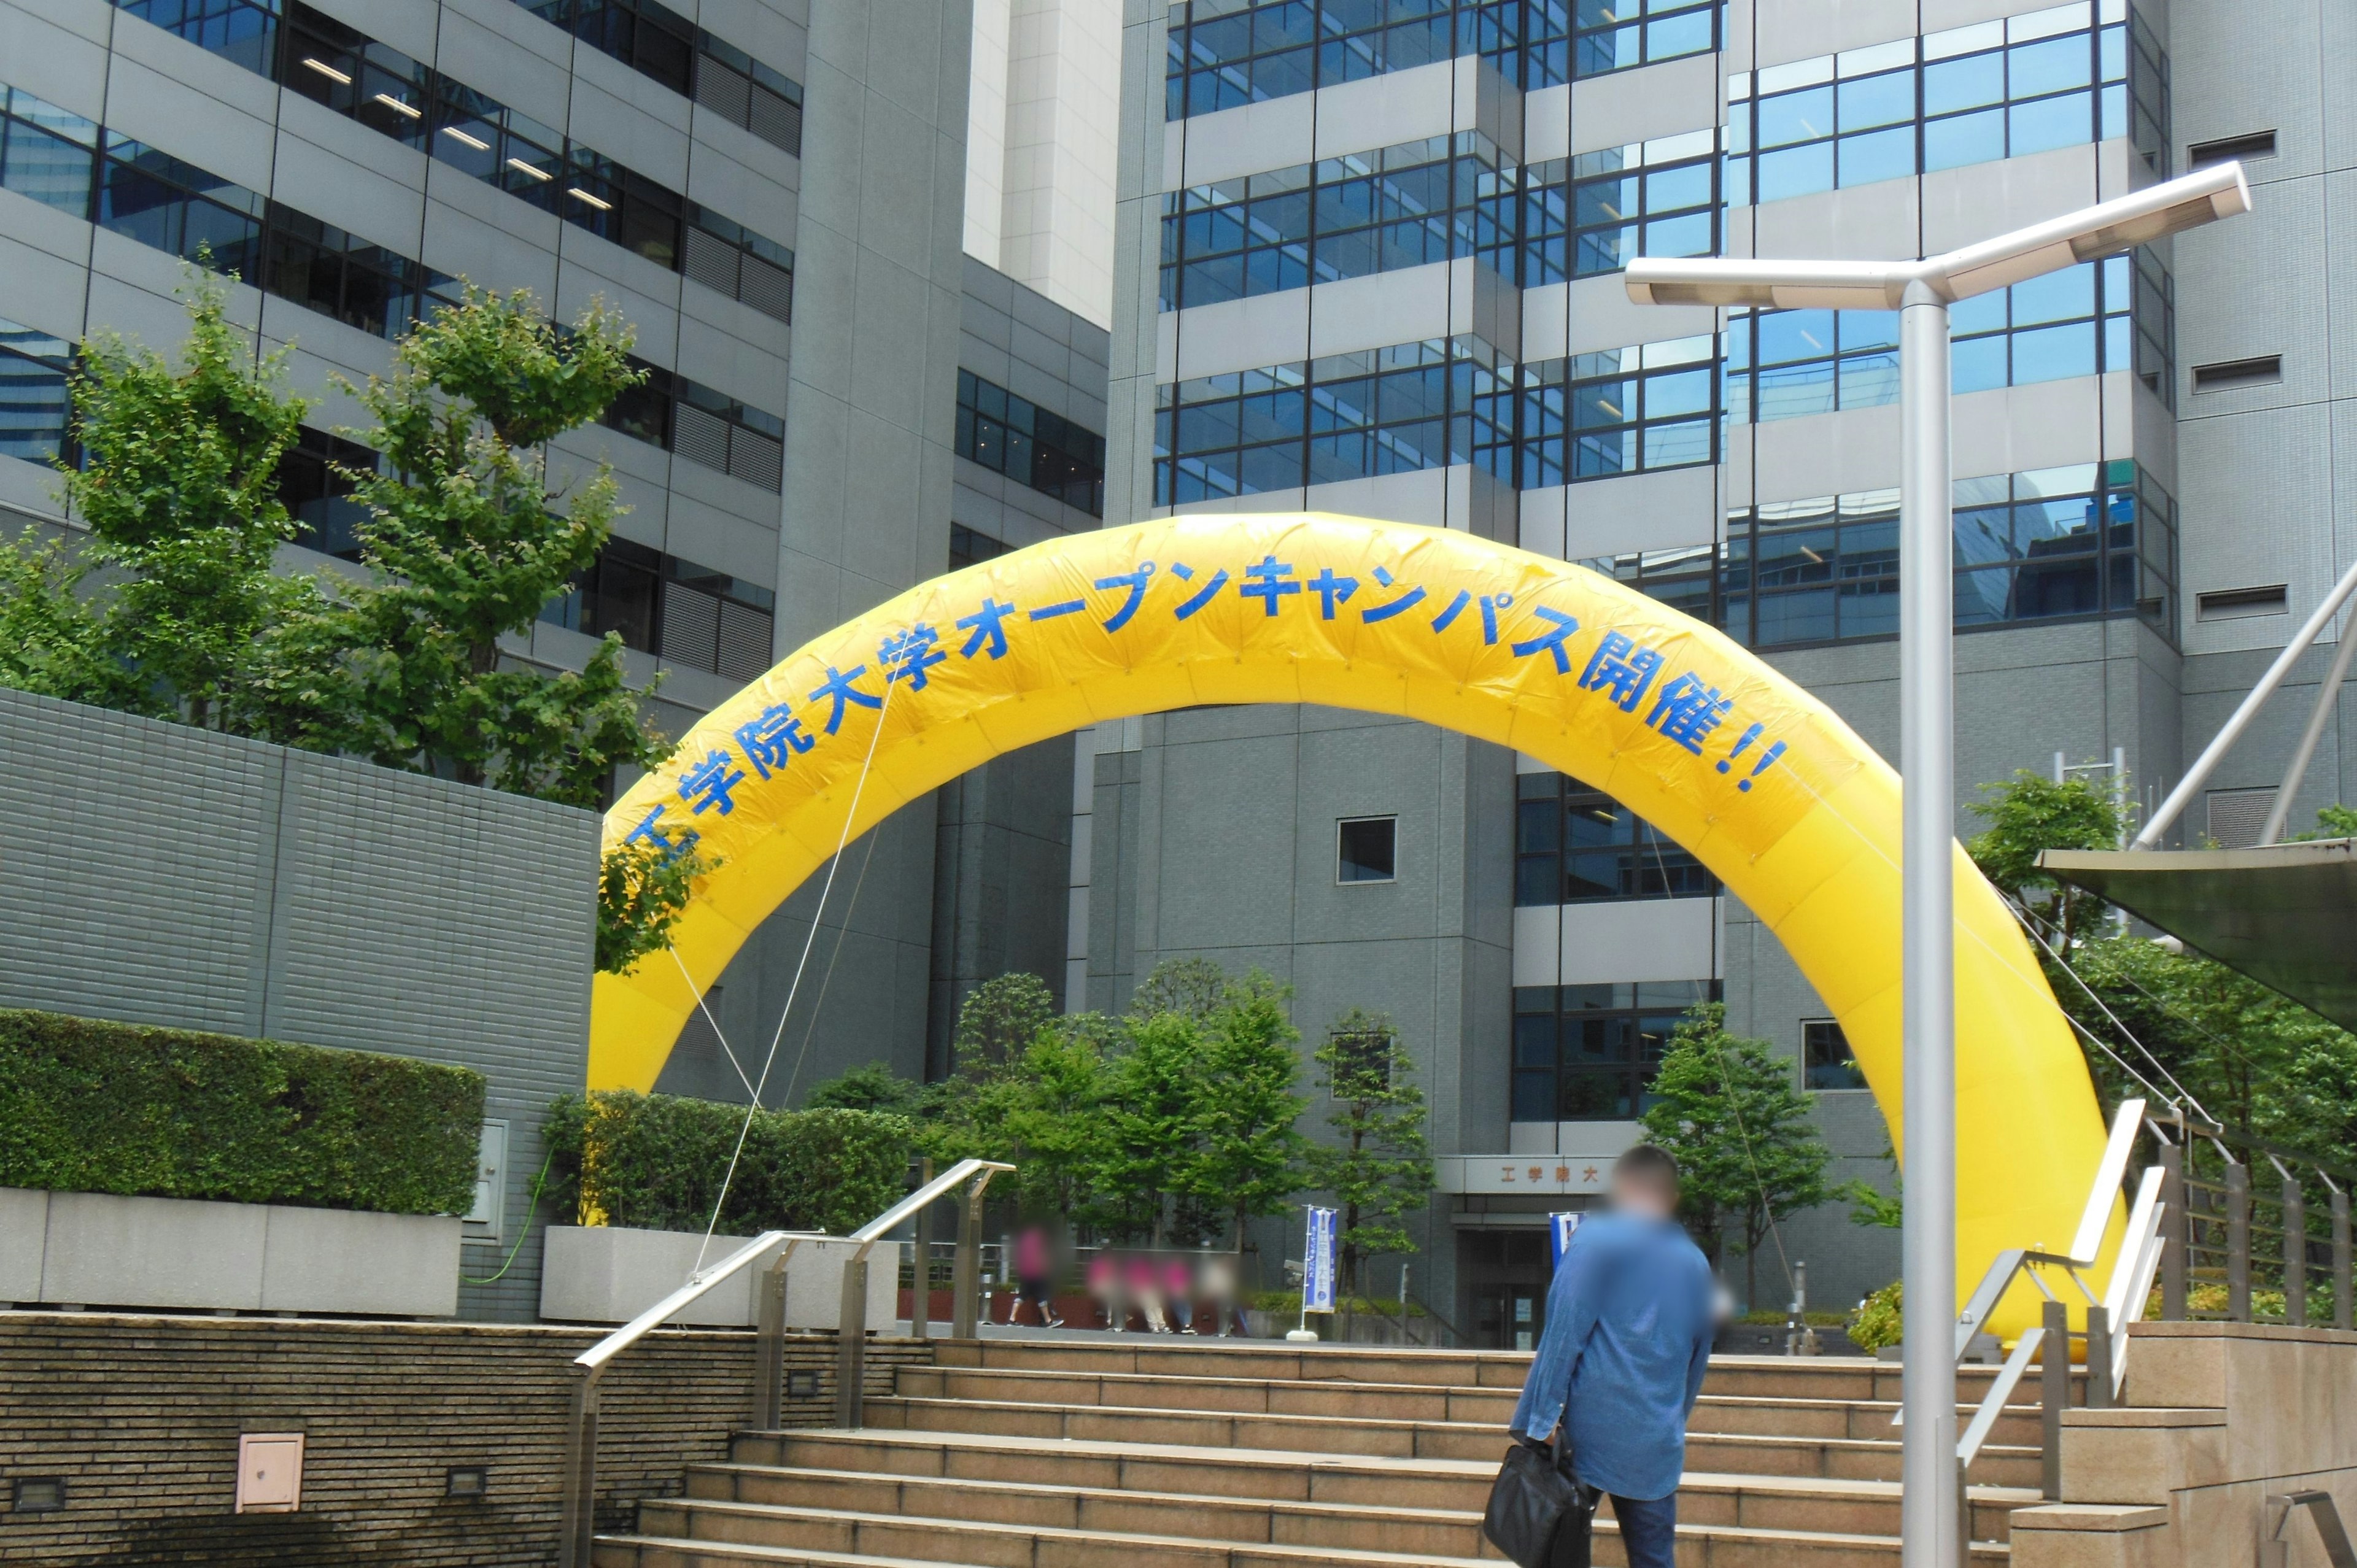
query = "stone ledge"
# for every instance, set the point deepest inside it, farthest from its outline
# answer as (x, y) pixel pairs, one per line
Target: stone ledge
(2090, 1517)
(2137, 1415)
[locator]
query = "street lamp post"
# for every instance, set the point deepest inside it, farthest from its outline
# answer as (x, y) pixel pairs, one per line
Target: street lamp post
(1922, 290)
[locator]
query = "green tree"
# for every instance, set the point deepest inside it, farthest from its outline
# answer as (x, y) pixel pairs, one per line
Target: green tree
(1249, 1153)
(179, 487)
(2332, 822)
(1055, 1125)
(1747, 1152)
(872, 1087)
(999, 1019)
(466, 542)
(1152, 1132)
(2029, 813)
(1191, 987)
(1380, 1168)
(642, 891)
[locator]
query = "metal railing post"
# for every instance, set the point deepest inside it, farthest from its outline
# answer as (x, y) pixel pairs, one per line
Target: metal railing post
(2295, 1256)
(769, 1350)
(2053, 1395)
(2238, 1242)
(2177, 1233)
(2099, 1357)
(579, 1526)
(851, 1348)
(920, 1308)
(967, 1287)
(2341, 1313)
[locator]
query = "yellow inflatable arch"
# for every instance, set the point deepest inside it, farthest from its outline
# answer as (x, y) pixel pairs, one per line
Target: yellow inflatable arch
(1795, 814)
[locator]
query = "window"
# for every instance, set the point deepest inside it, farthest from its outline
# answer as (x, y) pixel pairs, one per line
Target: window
(1825, 1059)
(1363, 1064)
(1622, 411)
(2093, 318)
(1578, 845)
(1973, 94)
(1015, 437)
(2231, 604)
(704, 426)
(683, 614)
(659, 43)
(1385, 411)
(347, 71)
(1650, 199)
(1220, 54)
(968, 548)
(2263, 370)
(2076, 542)
(35, 406)
(1588, 1053)
(1368, 849)
(319, 496)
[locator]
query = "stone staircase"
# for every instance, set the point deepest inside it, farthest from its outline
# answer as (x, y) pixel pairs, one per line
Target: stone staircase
(1146, 1453)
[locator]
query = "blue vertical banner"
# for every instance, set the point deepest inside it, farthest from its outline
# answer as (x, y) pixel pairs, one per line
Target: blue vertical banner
(1317, 1262)
(1559, 1229)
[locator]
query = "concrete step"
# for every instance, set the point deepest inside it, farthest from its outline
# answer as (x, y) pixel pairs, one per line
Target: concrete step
(1787, 1414)
(1787, 1377)
(1773, 1453)
(685, 1532)
(1340, 1505)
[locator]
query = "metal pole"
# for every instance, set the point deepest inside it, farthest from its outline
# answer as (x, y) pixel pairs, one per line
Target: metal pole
(2297, 769)
(580, 1523)
(851, 1349)
(2341, 1315)
(1929, 1503)
(921, 1310)
(2176, 1232)
(2199, 774)
(769, 1352)
(2238, 1242)
(2099, 1357)
(967, 1287)
(2053, 1396)
(2295, 1228)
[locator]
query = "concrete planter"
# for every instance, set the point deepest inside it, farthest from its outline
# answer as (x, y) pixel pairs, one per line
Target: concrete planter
(608, 1273)
(92, 1249)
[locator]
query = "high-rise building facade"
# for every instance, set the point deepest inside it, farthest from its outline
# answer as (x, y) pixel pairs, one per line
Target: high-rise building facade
(1371, 262)
(841, 403)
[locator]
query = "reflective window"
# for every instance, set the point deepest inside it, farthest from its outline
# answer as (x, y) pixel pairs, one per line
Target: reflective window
(1826, 1061)
(2115, 315)
(1223, 53)
(2057, 78)
(1588, 1053)
(35, 407)
(1385, 411)
(1578, 845)
(682, 613)
(2075, 543)
(1622, 411)
(346, 70)
(1015, 437)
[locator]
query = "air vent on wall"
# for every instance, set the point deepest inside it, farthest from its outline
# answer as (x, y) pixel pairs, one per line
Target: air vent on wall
(2259, 371)
(2238, 817)
(2227, 149)
(2227, 604)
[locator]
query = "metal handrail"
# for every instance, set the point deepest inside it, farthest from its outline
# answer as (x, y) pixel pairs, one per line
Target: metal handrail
(579, 1531)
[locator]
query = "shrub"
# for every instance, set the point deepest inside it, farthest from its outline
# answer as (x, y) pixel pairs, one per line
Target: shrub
(1878, 1322)
(92, 1106)
(655, 1162)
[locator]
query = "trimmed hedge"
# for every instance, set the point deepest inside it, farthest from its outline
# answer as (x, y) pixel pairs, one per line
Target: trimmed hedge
(92, 1106)
(654, 1162)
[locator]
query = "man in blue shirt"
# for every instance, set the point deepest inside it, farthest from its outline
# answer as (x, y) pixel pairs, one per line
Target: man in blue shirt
(1628, 1326)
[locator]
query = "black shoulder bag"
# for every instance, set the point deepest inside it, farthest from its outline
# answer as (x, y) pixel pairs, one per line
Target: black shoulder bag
(1539, 1514)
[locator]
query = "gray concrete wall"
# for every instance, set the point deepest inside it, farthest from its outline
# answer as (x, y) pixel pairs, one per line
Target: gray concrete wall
(158, 874)
(1217, 838)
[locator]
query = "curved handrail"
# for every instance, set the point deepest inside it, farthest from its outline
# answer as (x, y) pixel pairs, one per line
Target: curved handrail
(577, 1527)
(941, 1186)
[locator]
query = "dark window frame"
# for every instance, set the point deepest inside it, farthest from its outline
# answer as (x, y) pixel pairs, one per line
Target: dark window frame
(1574, 1045)
(1346, 859)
